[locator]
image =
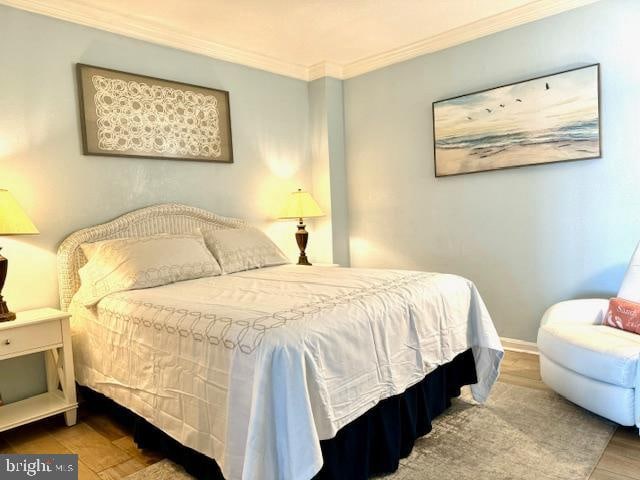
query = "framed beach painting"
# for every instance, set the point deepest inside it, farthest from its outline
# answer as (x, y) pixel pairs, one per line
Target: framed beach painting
(128, 115)
(554, 118)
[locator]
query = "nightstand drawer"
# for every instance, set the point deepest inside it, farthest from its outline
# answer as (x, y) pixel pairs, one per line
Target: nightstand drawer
(31, 337)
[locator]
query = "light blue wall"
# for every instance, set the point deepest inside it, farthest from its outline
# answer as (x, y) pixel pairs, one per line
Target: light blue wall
(338, 173)
(62, 190)
(328, 167)
(527, 237)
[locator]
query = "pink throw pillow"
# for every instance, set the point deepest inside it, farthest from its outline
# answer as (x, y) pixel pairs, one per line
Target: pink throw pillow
(623, 314)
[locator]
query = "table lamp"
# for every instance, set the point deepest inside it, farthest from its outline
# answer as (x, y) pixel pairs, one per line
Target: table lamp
(301, 205)
(13, 221)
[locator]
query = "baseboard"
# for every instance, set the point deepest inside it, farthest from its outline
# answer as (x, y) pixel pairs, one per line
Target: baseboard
(515, 345)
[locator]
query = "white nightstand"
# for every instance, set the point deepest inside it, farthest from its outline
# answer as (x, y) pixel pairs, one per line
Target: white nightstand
(43, 330)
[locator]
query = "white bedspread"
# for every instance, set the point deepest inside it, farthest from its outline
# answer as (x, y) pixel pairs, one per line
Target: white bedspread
(255, 368)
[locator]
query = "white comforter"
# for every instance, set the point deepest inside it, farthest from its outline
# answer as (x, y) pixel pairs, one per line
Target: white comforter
(255, 368)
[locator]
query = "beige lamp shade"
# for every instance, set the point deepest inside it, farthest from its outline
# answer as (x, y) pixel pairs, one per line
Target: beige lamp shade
(13, 219)
(301, 205)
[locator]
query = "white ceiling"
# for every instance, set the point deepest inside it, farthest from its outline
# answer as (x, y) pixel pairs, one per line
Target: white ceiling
(306, 32)
(303, 38)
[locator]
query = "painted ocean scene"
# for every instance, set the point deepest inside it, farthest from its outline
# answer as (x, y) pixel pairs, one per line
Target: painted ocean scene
(548, 119)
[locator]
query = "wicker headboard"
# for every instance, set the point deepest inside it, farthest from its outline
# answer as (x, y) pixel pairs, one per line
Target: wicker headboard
(164, 218)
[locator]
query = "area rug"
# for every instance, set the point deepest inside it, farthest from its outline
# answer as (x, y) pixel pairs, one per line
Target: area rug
(520, 433)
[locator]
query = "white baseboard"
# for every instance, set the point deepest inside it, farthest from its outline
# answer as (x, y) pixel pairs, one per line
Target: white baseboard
(515, 345)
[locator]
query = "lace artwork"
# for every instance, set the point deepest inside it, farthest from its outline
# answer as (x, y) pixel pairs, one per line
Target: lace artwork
(152, 119)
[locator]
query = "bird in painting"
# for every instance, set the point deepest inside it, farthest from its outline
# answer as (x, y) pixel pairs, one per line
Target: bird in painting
(518, 100)
(488, 110)
(502, 105)
(547, 86)
(469, 118)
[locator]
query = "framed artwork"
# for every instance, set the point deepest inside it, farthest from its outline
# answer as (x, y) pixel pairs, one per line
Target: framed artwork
(129, 115)
(554, 118)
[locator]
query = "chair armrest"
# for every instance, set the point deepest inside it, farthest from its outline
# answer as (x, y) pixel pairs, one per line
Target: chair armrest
(585, 311)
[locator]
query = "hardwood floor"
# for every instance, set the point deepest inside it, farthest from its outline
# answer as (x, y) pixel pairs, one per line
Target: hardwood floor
(106, 449)
(104, 446)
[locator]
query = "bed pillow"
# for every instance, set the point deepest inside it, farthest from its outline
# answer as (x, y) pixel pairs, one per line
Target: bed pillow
(132, 263)
(623, 314)
(238, 249)
(90, 248)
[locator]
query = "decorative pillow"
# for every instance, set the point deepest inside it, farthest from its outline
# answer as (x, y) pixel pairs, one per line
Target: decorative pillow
(238, 249)
(623, 314)
(630, 288)
(132, 263)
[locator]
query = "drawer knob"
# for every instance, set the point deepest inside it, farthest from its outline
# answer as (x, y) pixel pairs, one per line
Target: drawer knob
(7, 342)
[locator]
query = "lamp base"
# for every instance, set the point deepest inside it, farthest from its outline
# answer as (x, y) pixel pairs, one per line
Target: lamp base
(5, 314)
(302, 260)
(302, 237)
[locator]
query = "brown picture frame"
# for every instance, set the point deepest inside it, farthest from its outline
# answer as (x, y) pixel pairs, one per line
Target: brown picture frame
(124, 114)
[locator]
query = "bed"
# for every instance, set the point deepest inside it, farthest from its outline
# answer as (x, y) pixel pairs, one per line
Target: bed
(262, 370)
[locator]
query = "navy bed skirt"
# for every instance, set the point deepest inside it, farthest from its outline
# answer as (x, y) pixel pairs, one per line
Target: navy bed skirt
(372, 444)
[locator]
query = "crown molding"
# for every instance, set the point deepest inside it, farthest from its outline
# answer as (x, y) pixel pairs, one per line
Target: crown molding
(144, 29)
(472, 31)
(325, 69)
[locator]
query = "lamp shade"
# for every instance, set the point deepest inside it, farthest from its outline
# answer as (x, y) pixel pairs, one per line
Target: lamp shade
(13, 219)
(301, 205)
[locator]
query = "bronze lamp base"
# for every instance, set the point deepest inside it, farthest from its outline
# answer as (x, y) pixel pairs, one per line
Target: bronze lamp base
(302, 237)
(5, 314)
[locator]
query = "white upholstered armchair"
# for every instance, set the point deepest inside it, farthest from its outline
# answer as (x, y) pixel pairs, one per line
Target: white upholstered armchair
(593, 365)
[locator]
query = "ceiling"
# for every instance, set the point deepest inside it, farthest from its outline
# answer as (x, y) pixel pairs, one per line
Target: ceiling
(303, 38)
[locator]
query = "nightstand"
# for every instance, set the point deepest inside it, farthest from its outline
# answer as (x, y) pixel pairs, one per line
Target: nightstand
(43, 330)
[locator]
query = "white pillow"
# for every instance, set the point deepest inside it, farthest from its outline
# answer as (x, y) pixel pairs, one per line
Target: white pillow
(89, 249)
(238, 249)
(132, 263)
(630, 288)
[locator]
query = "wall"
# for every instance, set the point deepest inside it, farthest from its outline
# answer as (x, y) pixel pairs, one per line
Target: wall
(42, 165)
(337, 171)
(527, 237)
(326, 125)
